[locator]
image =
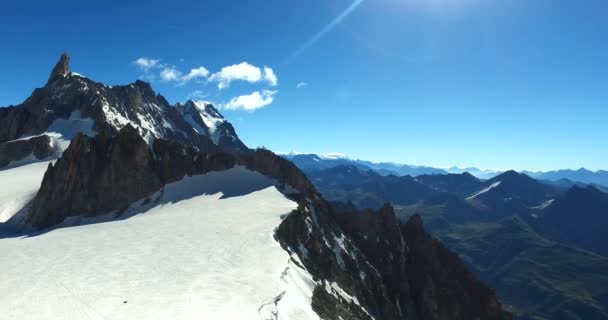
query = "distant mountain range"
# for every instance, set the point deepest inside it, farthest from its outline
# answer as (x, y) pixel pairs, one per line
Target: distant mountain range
(581, 175)
(541, 244)
(566, 177)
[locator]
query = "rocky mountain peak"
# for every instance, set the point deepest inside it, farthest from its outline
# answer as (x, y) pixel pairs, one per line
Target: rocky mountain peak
(62, 68)
(204, 108)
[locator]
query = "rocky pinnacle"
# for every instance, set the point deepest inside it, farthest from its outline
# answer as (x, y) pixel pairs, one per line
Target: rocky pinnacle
(61, 68)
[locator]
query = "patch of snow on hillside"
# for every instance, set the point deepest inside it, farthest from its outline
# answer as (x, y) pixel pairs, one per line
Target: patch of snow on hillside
(18, 186)
(63, 130)
(543, 205)
(490, 187)
(335, 290)
(205, 252)
(113, 117)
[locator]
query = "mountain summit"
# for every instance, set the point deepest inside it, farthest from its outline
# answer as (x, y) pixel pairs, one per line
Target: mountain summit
(70, 103)
(62, 68)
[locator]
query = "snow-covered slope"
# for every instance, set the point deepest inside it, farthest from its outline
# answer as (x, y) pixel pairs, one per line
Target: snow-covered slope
(18, 186)
(206, 251)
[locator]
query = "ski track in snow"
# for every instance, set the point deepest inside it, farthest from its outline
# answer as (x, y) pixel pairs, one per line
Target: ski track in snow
(193, 256)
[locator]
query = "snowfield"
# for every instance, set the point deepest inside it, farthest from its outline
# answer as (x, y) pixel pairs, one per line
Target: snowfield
(18, 186)
(206, 251)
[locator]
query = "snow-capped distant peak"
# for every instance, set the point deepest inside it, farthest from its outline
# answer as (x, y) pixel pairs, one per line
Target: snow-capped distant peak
(334, 156)
(490, 187)
(196, 111)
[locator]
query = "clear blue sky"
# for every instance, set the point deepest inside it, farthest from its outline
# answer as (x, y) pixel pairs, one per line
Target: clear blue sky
(493, 84)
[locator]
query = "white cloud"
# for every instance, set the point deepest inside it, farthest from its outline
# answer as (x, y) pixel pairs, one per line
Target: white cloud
(146, 63)
(170, 74)
(270, 76)
(251, 102)
(302, 85)
(237, 72)
(200, 72)
(242, 71)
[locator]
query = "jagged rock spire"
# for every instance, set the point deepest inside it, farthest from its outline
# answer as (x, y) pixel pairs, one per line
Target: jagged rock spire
(61, 68)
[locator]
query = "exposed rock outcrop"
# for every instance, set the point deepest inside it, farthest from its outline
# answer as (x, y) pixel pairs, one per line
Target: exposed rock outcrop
(38, 147)
(389, 271)
(62, 68)
(280, 169)
(441, 286)
(95, 176)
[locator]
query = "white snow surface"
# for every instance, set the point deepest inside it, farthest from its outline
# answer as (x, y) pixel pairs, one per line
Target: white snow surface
(205, 251)
(18, 186)
(490, 187)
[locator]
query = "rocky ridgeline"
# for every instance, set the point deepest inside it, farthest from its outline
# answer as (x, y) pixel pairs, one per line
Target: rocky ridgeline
(111, 108)
(39, 147)
(393, 271)
(98, 175)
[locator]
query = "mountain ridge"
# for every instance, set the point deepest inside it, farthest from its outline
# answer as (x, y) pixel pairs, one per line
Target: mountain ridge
(68, 97)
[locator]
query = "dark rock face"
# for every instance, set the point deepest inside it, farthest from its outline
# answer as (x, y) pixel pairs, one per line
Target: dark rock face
(331, 257)
(441, 286)
(378, 236)
(95, 176)
(40, 147)
(229, 141)
(284, 171)
(17, 121)
(394, 271)
(61, 69)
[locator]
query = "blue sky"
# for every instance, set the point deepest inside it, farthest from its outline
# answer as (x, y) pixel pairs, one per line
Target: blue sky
(493, 84)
